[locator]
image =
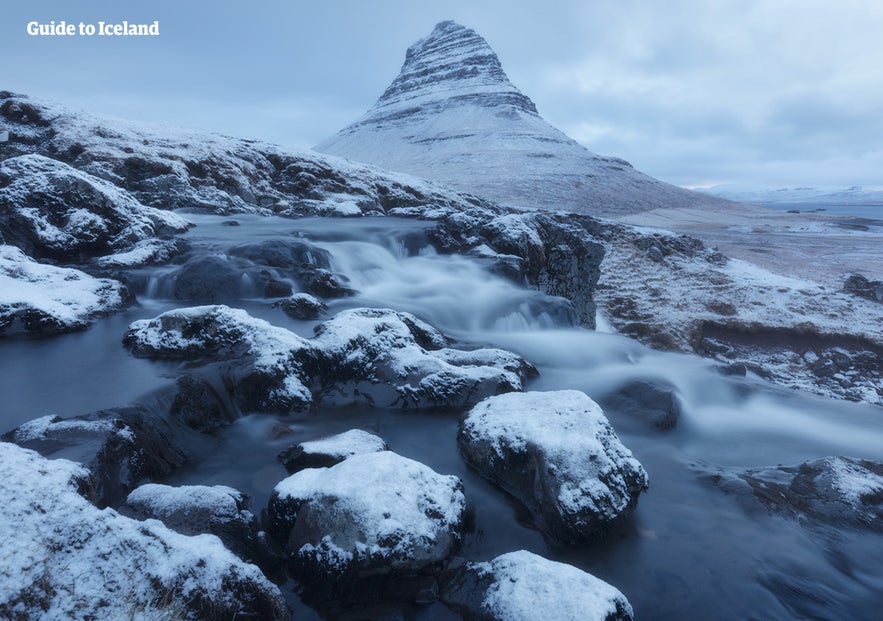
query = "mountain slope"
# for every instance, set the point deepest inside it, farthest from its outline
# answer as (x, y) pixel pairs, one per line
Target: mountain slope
(452, 115)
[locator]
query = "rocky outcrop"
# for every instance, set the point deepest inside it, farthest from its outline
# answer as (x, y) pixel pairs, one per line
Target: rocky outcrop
(331, 450)
(372, 514)
(843, 491)
(45, 300)
(520, 586)
(66, 559)
(558, 455)
(373, 356)
(120, 448)
(52, 210)
(857, 284)
(199, 509)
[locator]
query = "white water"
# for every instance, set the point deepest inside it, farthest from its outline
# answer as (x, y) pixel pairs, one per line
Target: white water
(690, 550)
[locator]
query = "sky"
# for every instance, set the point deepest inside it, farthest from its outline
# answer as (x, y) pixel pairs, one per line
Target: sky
(750, 93)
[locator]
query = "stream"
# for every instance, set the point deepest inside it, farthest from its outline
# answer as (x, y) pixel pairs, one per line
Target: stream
(689, 551)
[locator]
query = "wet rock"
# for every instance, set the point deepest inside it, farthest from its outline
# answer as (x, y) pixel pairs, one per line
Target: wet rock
(523, 586)
(373, 356)
(66, 559)
(327, 285)
(208, 279)
(558, 455)
(44, 300)
(372, 515)
(652, 401)
(199, 509)
(121, 447)
(326, 452)
(51, 210)
(197, 405)
(842, 491)
(303, 306)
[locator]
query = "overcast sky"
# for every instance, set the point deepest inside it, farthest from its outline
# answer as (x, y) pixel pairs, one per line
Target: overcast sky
(694, 92)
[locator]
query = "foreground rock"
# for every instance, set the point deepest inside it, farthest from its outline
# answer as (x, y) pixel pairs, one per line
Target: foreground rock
(374, 356)
(120, 448)
(52, 210)
(199, 509)
(842, 491)
(520, 586)
(326, 452)
(372, 514)
(557, 454)
(44, 300)
(66, 559)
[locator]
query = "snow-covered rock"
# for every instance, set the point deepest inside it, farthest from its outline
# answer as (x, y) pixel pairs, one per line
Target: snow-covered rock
(63, 558)
(47, 300)
(331, 450)
(375, 512)
(375, 356)
(453, 116)
(120, 448)
(835, 490)
(521, 586)
(50, 209)
(558, 454)
(303, 306)
(198, 509)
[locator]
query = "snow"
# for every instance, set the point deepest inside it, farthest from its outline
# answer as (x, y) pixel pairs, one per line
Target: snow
(853, 482)
(164, 500)
(589, 468)
(344, 445)
(453, 116)
(142, 253)
(66, 559)
(527, 587)
(67, 298)
(376, 505)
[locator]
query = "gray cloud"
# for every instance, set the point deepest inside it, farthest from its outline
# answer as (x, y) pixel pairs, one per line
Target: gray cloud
(748, 91)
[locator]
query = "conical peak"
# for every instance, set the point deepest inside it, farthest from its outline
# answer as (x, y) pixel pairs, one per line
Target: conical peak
(453, 62)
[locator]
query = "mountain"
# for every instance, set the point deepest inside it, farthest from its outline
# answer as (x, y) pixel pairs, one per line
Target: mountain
(855, 195)
(452, 115)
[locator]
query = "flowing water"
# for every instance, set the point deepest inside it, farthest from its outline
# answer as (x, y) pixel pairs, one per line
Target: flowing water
(689, 551)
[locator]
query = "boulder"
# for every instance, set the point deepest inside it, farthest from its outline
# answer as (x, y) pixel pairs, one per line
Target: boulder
(52, 210)
(303, 306)
(120, 448)
(331, 450)
(197, 405)
(556, 453)
(199, 509)
(843, 491)
(375, 513)
(44, 300)
(652, 401)
(374, 356)
(521, 586)
(66, 559)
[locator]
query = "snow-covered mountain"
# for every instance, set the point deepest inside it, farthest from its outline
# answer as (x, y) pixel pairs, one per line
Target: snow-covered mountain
(452, 115)
(855, 195)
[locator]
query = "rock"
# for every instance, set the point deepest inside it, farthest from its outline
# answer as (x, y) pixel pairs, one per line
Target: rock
(521, 586)
(327, 285)
(843, 491)
(199, 509)
(303, 306)
(65, 559)
(374, 356)
(44, 300)
(198, 406)
(375, 513)
(208, 279)
(120, 448)
(145, 252)
(857, 284)
(51, 210)
(326, 452)
(557, 454)
(654, 402)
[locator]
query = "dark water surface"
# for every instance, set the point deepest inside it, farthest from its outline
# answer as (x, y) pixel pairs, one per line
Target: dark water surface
(689, 551)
